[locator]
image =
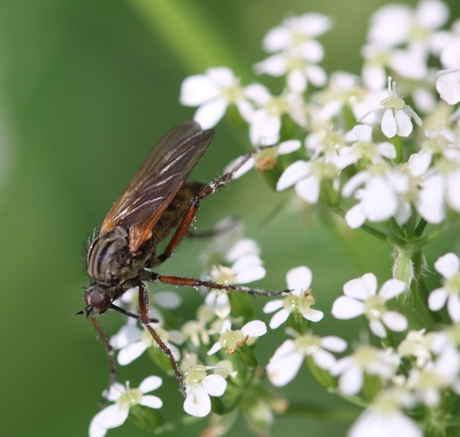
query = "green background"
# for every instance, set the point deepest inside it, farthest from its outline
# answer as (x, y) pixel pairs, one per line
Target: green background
(87, 88)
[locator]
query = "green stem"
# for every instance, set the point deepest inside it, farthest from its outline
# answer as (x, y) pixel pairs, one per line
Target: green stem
(419, 293)
(420, 227)
(419, 244)
(323, 413)
(365, 227)
(397, 142)
(181, 423)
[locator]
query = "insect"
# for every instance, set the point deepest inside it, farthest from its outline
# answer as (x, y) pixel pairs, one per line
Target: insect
(157, 200)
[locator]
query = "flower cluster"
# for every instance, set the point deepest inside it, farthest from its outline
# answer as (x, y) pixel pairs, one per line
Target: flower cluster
(354, 147)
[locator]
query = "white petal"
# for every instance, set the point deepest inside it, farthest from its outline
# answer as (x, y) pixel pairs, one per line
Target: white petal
(245, 109)
(342, 365)
(391, 289)
(296, 81)
(276, 39)
(437, 299)
(197, 402)
(361, 132)
(209, 114)
(387, 150)
(259, 93)
(355, 217)
(114, 416)
(448, 85)
(324, 359)
(151, 383)
(299, 279)
(419, 163)
(395, 321)
(392, 424)
(116, 390)
(168, 300)
(176, 336)
(453, 308)
(94, 429)
(316, 75)
(215, 385)
(264, 128)
(447, 265)
(347, 308)
(333, 343)
(354, 182)
(151, 401)
(377, 328)
(279, 318)
(308, 189)
(289, 146)
(272, 306)
(196, 90)
(222, 306)
(241, 169)
(351, 381)
(379, 202)
(294, 173)
(216, 347)
(250, 274)
(129, 353)
(389, 126)
(404, 124)
(313, 315)
(127, 334)
(245, 246)
(255, 328)
(282, 371)
(361, 288)
(222, 76)
(274, 66)
(430, 204)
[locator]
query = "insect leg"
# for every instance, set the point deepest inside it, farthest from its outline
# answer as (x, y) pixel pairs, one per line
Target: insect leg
(144, 307)
(130, 314)
(194, 283)
(111, 354)
(182, 229)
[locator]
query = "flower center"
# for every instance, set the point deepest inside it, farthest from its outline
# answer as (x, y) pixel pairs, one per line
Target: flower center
(223, 275)
(130, 398)
(307, 344)
(452, 285)
(232, 94)
(364, 355)
(322, 170)
(374, 307)
(196, 375)
(230, 339)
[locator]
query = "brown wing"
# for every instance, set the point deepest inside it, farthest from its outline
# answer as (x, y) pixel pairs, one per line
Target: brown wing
(155, 184)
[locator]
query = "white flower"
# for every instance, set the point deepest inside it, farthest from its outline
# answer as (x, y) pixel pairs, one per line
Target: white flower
(307, 177)
(213, 92)
(200, 386)
(383, 418)
(361, 298)
(286, 362)
(448, 266)
(299, 300)
(396, 24)
(124, 398)
(419, 345)
(245, 269)
(395, 115)
(441, 188)
(265, 122)
(297, 31)
(435, 377)
(448, 85)
(299, 64)
(231, 340)
(365, 359)
(133, 342)
(382, 197)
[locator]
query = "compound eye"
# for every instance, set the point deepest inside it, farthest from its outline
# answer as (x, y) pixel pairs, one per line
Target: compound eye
(97, 299)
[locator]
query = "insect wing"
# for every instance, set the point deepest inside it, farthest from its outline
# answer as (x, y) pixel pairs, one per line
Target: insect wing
(155, 184)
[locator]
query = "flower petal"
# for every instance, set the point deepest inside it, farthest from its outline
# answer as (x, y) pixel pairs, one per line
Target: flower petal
(272, 306)
(299, 279)
(377, 328)
(333, 343)
(453, 308)
(395, 321)
(198, 89)
(324, 359)
(284, 369)
(197, 403)
(391, 289)
(255, 328)
(293, 174)
(209, 114)
(447, 265)
(129, 353)
(215, 385)
(308, 189)
(345, 308)
(388, 124)
(114, 416)
(151, 401)
(351, 381)
(279, 318)
(151, 383)
(437, 299)
(361, 288)
(313, 315)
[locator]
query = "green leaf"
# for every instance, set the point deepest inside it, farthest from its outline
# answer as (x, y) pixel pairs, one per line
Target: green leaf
(241, 306)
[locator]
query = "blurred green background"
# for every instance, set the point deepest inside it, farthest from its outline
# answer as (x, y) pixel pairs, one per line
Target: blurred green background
(87, 88)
